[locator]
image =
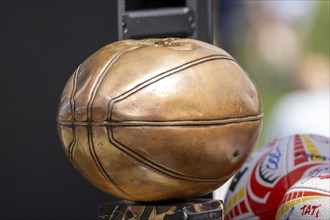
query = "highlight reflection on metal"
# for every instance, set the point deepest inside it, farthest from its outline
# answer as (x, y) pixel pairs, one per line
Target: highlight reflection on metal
(158, 119)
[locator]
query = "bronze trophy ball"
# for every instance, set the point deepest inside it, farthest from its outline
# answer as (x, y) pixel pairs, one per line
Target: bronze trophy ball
(159, 119)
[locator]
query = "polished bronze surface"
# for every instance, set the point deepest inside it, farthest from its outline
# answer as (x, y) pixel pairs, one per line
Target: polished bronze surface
(159, 119)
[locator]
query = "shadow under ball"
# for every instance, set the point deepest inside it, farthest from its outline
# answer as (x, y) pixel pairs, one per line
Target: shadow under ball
(158, 119)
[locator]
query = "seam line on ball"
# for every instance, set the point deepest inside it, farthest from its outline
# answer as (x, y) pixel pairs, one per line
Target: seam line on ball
(73, 109)
(162, 76)
(99, 164)
(94, 90)
(100, 78)
(205, 122)
(158, 167)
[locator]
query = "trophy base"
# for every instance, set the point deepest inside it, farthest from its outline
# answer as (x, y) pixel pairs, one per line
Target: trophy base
(194, 209)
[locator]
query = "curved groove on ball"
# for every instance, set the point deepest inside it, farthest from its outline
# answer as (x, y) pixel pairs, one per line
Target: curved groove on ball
(158, 167)
(72, 100)
(195, 122)
(162, 76)
(90, 103)
(99, 165)
(72, 145)
(209, 122)
(99, 81)
(72, 107)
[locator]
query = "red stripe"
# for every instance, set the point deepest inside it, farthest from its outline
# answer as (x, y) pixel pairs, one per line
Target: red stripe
(231, 214)
(243, 207)
(236, 212)
(276, 192)
(300, 160)
(310, 193)
(299, 153)
(299, 147)
(294, 195)
(285, 198)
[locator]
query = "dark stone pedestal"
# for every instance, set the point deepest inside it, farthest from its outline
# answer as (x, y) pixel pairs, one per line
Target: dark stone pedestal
(195, 209)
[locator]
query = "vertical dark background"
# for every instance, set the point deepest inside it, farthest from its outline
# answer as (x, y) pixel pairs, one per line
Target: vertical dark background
(41, 45)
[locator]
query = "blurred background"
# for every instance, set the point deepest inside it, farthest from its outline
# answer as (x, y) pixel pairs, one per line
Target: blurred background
(283, 45)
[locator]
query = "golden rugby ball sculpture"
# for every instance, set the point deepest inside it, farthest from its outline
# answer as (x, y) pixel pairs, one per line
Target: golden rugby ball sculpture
(159, 119)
